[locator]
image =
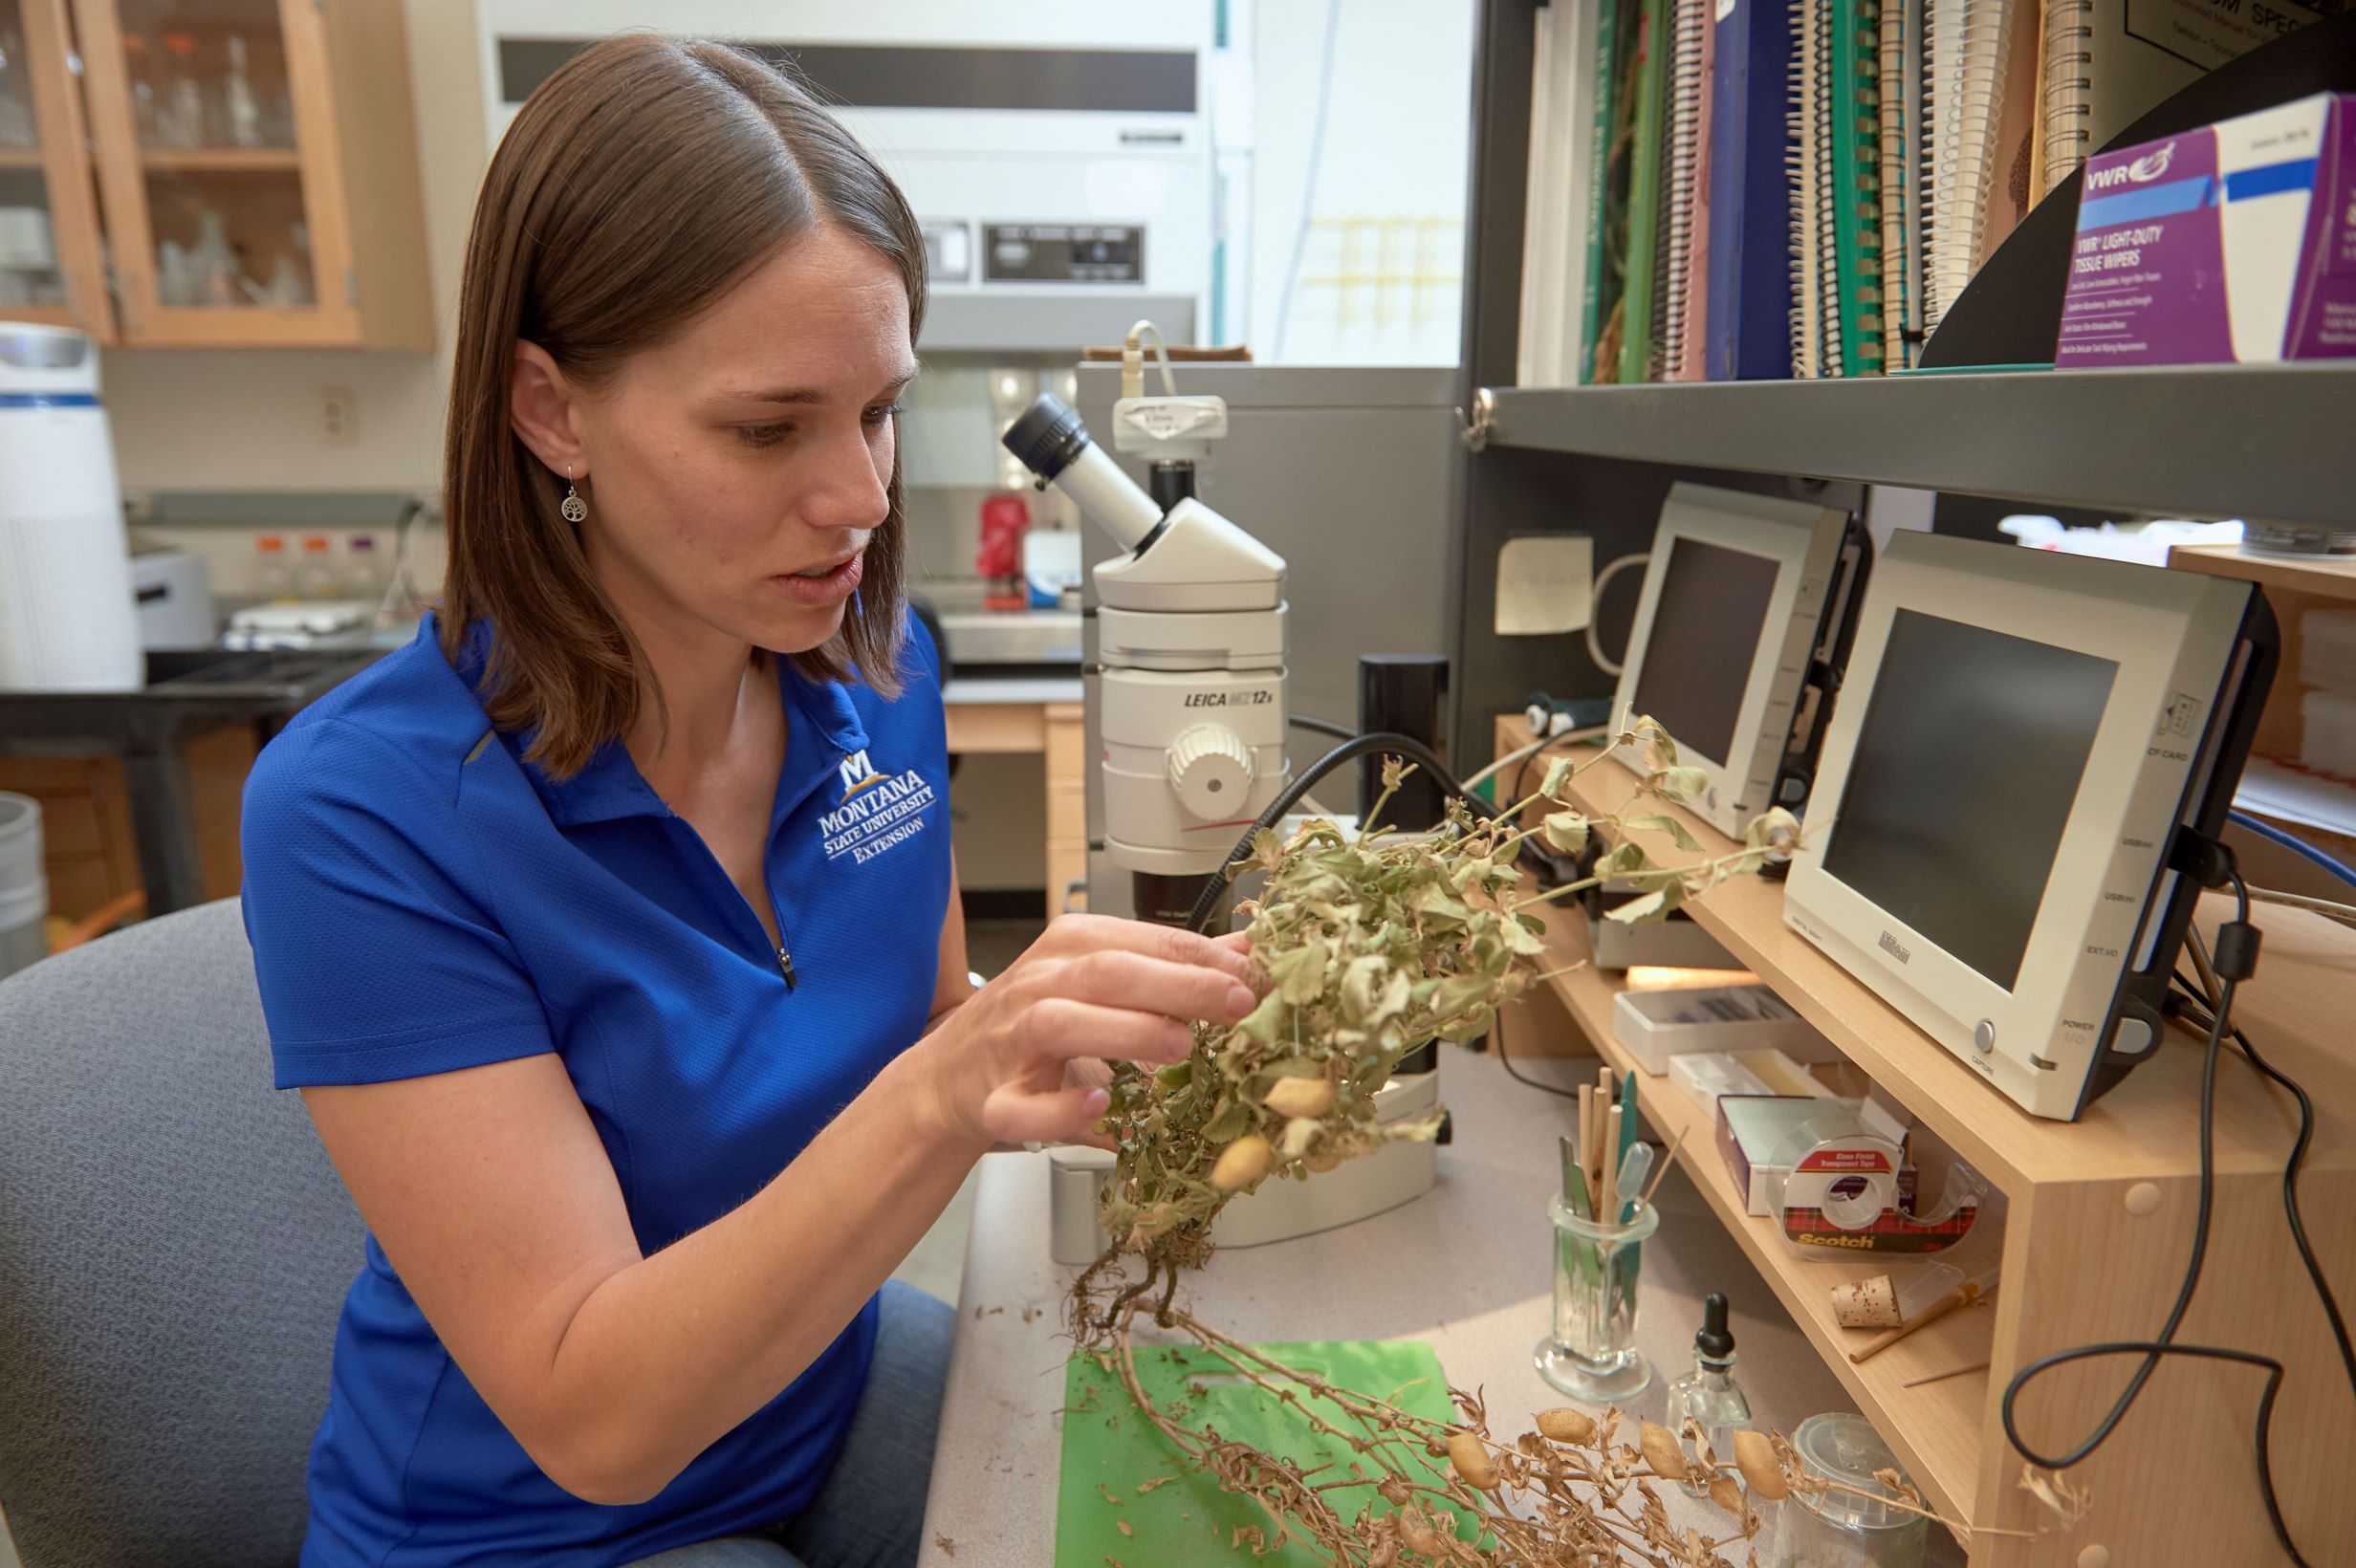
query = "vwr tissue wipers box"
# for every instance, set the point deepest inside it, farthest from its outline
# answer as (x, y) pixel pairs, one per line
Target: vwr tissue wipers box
(2233, 243)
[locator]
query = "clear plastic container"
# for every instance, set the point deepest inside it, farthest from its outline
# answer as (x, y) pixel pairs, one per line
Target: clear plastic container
(1842, 1528)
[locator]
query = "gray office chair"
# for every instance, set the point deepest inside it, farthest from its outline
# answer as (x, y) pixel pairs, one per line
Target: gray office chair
(174, 1248)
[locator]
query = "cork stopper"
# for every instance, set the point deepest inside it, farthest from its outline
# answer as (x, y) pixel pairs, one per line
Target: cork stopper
(1868, 1303)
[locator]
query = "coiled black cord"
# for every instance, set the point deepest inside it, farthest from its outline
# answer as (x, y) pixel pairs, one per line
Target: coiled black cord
(2236, 958)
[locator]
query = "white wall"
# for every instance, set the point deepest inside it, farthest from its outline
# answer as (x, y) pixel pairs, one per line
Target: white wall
(248, 419)
(1397, 141)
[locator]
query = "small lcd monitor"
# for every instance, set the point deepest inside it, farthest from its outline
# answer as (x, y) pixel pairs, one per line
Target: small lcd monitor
(2020, 738)
(1744, 596)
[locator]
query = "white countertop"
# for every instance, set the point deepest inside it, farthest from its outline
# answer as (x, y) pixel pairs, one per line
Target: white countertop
(1019, 688)
(1464, 1268)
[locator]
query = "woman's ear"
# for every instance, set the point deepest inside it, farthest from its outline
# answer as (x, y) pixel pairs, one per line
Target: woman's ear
(543, 407)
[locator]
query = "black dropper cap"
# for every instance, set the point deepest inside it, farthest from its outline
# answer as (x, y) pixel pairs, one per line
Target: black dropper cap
(1714, 1343)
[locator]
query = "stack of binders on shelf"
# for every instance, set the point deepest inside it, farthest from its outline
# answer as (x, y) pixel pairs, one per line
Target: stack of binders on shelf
(1746, 189)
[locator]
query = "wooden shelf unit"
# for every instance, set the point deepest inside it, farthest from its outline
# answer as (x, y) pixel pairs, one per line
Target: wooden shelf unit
(2313, 576)
(220, 159)
(2096, 1228)
(1933, 1429)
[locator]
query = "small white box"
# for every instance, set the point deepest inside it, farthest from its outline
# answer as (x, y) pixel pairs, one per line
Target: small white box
(1703, 1076)
(1657, 1025)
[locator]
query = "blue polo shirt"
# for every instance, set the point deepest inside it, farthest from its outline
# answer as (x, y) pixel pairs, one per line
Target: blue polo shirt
(421, 900)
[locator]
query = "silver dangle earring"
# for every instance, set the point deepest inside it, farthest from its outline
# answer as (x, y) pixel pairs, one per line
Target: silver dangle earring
(572, 507)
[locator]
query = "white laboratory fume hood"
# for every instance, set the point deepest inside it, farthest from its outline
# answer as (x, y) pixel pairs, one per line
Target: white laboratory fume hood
(1064, 173)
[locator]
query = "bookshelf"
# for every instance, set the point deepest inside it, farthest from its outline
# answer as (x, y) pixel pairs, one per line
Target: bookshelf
(2092, 1219)
(2200, 440)
(2093, 1226)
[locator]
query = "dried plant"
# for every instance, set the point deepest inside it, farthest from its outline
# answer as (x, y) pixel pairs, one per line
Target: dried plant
(1373, 945)
(1573, 1491)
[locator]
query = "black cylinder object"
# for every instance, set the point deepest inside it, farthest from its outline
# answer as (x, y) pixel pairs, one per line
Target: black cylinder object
(1401, 692)
(1170, 482)
(1048, 438)
(1166, 899)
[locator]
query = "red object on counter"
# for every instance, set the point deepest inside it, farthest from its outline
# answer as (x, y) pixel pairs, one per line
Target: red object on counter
(1005, 519)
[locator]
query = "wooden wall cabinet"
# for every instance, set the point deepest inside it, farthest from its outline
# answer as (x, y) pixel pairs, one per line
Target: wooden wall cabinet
(213, 173)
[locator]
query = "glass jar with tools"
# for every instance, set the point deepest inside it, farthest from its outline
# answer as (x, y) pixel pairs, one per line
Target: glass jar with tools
(1846, 1528)
(1591, 1354)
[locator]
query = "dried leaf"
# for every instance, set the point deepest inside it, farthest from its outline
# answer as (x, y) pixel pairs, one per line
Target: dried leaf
(1669, 825)
(1298, 973)
(1652, 744)
(1565, 831)
(1679, 784)
(1650, 907)
(1260, 1024)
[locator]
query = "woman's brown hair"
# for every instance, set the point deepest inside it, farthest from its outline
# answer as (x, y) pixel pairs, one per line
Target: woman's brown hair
(636, 186)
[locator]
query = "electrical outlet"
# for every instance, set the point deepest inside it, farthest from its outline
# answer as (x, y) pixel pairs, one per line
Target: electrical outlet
(338, 416)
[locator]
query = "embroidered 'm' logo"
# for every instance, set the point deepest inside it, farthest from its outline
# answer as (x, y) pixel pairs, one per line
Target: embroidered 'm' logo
(858, 774)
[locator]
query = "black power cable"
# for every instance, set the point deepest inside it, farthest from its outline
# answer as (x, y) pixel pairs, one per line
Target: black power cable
(1406, 747)
(1324, 727)
(2237, 957)
(2290, 1185)
(1506, 1062)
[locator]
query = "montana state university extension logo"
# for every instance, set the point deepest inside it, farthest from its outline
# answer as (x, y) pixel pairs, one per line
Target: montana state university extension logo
(878, 809)
(858, 774)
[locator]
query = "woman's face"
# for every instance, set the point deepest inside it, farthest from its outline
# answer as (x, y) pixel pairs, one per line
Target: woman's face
(736, 472)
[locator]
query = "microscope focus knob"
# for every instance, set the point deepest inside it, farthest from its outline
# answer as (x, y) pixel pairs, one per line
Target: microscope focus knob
(1210, 768)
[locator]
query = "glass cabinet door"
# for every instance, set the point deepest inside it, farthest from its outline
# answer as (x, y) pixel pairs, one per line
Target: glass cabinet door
(222, 204)
(48, 217)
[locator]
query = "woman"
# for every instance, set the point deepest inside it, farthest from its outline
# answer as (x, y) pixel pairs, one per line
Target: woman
(610, 929)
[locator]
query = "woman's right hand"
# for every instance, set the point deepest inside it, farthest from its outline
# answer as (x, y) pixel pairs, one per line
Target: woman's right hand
(1092, 987)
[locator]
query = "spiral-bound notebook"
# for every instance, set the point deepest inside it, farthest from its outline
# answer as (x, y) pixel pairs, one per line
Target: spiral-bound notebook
(1836, 319)
(2106, 63)
(1639, 342)
(1687, 210)
(1983, 73)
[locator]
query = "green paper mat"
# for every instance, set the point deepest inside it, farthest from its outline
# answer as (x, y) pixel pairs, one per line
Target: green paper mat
(1109, 1447)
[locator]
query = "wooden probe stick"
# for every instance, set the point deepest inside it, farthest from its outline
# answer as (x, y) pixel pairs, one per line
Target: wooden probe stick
(1609, 1184)
(1941, 1377)
(1660, 1172)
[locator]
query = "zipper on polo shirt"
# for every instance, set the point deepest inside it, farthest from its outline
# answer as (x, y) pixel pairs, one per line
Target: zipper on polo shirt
(785, 959)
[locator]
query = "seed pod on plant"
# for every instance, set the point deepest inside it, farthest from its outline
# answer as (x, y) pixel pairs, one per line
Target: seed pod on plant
(1471, 1458)
(1727, 1493)
(1567, 1425)
(1319, 1164)
(1755, 1457)
(1301, 1097)
(1660, 1452)
(1241, 1163)
(1419, 1535)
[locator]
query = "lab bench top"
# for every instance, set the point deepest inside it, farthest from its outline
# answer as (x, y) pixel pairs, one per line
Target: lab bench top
(1464, 1268)
(968, 688)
